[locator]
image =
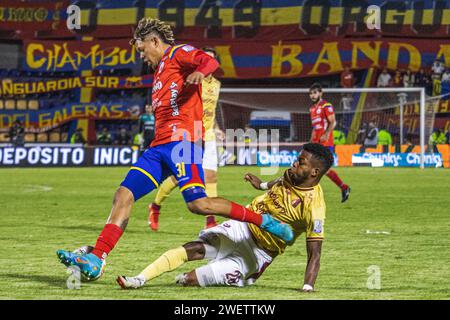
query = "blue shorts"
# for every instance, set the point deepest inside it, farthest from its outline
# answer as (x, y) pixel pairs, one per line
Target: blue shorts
(183, 159)
(331, 148)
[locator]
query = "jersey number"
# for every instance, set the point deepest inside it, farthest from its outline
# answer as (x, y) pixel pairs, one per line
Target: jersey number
(181, 169)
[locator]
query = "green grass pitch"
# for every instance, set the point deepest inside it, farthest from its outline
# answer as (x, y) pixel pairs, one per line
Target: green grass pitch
(43, 210)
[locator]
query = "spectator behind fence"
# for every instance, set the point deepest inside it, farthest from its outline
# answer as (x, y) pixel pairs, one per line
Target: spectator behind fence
(422, 79)
(339, 137)
(17, 133)
(371, 140)
(409, 143)
(446, 76)
(408, 79)
(78, 137)
(437, 69)
(437, 137)
(347, 101)
(384, 139)
(362, 133)
(123, 138)
(347, 78)
(384, 79)
(397, 81)
(104, 137)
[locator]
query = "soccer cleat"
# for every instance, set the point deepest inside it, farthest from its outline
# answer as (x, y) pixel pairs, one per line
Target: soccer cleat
(345, 194)
(277, 228)
(130, 282)
(91, 266)
(153, 216)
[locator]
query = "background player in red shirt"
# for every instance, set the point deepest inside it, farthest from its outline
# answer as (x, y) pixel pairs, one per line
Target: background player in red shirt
(323, 122)
(178, 109)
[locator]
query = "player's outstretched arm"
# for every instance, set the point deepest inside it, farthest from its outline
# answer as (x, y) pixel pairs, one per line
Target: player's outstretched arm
(313, 249)
(257, 182)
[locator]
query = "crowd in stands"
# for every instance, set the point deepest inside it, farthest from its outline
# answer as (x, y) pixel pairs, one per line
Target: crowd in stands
(422, 78)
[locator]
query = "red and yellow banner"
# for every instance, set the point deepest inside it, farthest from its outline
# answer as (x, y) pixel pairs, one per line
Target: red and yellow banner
(25, 18)
(289, 59)
(233, 20)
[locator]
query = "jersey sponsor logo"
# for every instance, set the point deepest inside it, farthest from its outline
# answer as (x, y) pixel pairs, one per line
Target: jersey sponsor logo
(317, 226)
(314, 120)
(157, 86)
(276, 202)
(173, 99)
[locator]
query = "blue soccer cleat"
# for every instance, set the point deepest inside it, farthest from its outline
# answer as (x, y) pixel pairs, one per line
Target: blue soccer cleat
(277, 228)
(91, 267)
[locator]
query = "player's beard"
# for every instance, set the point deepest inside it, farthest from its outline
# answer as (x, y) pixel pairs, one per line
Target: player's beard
(298, 179)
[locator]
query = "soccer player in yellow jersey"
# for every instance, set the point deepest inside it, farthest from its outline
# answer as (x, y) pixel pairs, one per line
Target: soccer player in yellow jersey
(210, 97)
(239, 252)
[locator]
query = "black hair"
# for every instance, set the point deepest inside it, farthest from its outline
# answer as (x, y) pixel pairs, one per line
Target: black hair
(316, 86)
(320, 153)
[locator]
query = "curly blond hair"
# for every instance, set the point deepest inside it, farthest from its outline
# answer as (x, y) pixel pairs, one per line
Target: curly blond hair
(147, 26)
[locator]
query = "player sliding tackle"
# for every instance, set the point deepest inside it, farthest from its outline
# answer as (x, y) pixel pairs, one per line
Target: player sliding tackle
(177, 106)
(239, 252)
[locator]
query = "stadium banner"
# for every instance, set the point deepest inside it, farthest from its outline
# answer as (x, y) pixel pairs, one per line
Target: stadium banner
(27, 18)
(78, 55)
(344, 156)
(282, 156)
(44, 120)
(67, 156)
(11, 87)
(397, 159)
(275, 59)
(256, 19)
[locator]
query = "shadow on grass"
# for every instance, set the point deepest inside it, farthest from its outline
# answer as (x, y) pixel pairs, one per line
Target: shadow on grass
(52, 281)
(94, 229)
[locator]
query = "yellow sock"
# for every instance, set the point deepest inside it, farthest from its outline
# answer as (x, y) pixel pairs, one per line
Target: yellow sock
(211, 190)
(169, 261)
(164, 190)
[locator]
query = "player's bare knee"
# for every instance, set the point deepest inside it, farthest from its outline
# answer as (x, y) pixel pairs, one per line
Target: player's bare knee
(195, 250)
(123, 197)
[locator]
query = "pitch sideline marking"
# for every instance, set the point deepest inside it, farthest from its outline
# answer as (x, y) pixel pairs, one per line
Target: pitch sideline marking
(37, 188)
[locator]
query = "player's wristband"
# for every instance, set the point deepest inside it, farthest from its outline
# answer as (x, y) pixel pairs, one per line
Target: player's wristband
(307, 287)
(264, 186)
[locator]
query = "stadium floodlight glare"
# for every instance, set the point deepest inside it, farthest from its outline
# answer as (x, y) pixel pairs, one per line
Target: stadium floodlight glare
(391, 99)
